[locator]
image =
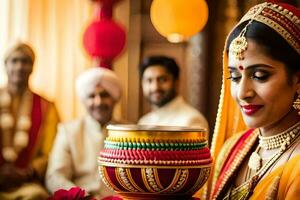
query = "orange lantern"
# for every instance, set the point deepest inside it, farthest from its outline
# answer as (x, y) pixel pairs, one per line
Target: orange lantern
(178, 20)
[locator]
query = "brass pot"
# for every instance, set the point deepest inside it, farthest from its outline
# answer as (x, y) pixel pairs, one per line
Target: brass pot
(155, 162)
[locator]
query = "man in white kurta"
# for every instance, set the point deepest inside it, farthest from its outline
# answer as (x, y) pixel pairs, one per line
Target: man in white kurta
(160, 82)
(177, 113)
(73, 160)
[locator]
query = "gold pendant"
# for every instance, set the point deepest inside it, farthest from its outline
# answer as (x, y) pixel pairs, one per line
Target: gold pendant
(255, 161)
(238, 46)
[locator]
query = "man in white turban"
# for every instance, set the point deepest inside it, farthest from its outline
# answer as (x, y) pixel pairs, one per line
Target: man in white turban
(107, 85)
(73, 160)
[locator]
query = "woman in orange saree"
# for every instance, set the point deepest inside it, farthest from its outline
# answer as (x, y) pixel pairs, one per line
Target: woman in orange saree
(262, 73)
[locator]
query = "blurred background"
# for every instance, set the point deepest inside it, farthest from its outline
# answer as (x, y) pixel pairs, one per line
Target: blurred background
(55, 30)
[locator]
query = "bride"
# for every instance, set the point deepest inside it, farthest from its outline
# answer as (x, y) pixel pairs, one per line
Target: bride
(262, 74)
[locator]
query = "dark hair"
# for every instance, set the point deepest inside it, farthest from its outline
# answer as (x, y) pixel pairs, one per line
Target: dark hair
(168, 63)
(274, 44)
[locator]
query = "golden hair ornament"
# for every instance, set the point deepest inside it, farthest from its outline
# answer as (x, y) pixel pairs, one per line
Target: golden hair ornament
(239, 45)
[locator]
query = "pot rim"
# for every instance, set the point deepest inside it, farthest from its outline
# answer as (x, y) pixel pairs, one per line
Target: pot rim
(153, 128)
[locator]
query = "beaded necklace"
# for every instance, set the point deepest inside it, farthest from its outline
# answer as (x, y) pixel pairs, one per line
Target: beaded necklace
(249, 185)
(14, 127)
(272, 142)
(275, 141)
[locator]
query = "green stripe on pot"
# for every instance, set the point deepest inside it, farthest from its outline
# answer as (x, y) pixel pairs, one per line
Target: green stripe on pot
(154, 146)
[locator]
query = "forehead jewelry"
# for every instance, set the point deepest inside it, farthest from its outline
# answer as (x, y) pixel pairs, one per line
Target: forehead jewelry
(241, 68)
(239, 44)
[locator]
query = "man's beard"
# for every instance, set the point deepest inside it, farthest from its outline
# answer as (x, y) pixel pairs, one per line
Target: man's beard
(167, 97)
(102, 113)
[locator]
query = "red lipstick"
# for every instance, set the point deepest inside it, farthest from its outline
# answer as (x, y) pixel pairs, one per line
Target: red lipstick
(251, 109)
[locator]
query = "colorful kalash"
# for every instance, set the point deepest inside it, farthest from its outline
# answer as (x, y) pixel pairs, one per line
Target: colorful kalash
(143, 162)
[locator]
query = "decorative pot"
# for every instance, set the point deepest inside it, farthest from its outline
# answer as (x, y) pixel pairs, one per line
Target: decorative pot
(155, 162)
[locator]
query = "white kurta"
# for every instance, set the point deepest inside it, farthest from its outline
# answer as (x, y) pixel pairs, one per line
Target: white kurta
(175, 113)
(73, 160)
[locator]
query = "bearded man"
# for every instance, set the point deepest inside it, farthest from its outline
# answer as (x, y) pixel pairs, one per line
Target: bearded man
(160, 83)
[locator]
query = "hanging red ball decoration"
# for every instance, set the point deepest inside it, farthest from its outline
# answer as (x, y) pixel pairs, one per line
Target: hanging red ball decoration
(105, 8)
(104, 39)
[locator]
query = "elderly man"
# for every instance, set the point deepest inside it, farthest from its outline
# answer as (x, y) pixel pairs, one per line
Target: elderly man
(160, 83)
(73, 161)
(27, 129)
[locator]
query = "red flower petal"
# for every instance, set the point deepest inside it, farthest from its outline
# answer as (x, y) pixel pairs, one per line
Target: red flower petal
(76, 193)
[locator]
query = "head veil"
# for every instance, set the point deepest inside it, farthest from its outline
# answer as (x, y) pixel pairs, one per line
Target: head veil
(282, 18)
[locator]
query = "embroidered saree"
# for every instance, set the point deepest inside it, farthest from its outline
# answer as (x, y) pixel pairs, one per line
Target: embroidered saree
(229, 119)
(282, 183)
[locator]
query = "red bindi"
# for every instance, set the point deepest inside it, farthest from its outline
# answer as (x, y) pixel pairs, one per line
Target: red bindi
(241, 68)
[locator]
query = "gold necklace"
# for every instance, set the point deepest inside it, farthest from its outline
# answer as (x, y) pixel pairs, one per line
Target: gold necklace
(252, 182)
(275, 141)
(255, 161)
(14, 131)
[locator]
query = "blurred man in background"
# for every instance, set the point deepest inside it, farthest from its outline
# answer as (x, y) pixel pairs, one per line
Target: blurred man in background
(73, 161)
(160, 83)
(27, 129)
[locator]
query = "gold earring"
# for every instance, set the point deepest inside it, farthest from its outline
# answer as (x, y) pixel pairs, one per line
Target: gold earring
(296, 104)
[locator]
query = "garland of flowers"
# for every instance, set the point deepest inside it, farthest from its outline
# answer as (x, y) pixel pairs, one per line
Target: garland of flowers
(14, 128)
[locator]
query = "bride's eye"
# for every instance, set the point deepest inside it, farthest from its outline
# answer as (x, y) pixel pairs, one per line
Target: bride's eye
(234, 76)
(260, 75)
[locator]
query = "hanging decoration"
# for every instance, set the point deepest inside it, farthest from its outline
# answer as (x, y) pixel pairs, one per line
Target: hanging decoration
(178, 20)
(104, 39)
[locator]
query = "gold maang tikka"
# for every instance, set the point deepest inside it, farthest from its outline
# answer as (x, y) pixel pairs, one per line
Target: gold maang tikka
(239, 44)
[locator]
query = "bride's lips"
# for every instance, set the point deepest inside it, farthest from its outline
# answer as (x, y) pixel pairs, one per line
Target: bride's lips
(250, 109)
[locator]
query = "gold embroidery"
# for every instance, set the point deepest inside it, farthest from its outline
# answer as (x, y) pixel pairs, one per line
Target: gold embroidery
(106, 179)
(281, 20)
(123, 180)
(245, 190)
(132, 181)
(146, 181)
(151, 180)
(202, 178)
(238, 160)
(156, 177)
(174, 181)
(163, 163)
(184, 174)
